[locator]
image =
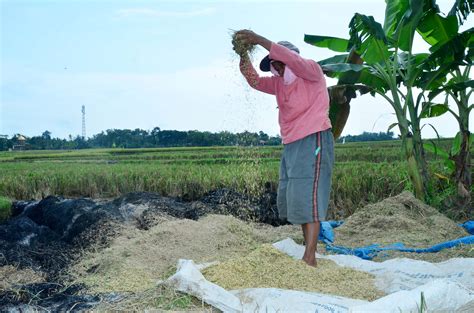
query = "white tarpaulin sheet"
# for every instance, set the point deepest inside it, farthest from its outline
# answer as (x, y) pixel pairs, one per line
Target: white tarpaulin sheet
(446, 286)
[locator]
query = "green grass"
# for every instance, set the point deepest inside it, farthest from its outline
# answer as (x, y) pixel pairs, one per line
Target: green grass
(5, 209)
(363, 173)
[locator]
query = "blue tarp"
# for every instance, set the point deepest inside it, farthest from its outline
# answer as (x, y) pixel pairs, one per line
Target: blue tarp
(372, 251)
(326, 232)
(468, 226)
(368, 252)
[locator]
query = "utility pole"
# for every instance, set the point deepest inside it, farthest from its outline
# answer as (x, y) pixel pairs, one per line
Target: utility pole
(83, 122)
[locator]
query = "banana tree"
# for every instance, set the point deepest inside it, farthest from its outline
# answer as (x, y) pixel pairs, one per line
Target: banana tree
(388, 62)
(457, 159)
(451, 56)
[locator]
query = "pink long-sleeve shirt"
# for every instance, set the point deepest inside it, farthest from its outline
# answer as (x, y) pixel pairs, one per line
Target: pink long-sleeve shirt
(303, 104)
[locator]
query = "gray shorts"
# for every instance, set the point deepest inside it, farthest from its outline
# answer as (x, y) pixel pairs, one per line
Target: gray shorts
(305, 178)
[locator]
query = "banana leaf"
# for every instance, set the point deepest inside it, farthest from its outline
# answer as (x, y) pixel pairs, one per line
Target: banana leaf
(337, 59)
(461, 9)
(416, 60)
(332, 43)
(404, 33)
(430, 80)
(452, 86)
(394, 11)
(369, 39)
(436, 29)
(340, 58)
(433, 109)
(452, 53)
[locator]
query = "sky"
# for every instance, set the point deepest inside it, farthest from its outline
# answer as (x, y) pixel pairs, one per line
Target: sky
(167, 64)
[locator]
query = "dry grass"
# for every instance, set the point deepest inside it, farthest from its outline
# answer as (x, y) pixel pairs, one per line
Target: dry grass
(267, 267)
(157, 299)
(11, 276)
(137, 259)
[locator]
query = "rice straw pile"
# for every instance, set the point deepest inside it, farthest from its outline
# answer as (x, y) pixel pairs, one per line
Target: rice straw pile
(266, 267)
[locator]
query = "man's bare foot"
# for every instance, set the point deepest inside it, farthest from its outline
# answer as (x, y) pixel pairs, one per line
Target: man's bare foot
(310, 233)
(310, 261)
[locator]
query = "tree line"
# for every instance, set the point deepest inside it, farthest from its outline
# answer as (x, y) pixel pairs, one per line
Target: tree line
(139, 138)
(366, 136)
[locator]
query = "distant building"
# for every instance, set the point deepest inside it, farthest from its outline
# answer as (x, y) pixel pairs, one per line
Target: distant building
(20, 142)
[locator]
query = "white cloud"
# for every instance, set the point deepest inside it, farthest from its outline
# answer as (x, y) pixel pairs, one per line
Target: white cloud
(159, 13)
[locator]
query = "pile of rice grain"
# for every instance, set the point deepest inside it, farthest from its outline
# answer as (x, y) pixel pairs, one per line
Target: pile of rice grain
(138, 258)
(266, 267)
(405, 219)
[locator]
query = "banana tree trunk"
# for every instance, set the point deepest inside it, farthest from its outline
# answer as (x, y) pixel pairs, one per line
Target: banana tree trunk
(412, 144)
(462, 174)
(411, 148)
(419, 154)
(462, 160)
(414, 170)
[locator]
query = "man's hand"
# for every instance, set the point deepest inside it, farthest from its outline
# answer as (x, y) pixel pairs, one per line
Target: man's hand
(240, 47)
(249, 37)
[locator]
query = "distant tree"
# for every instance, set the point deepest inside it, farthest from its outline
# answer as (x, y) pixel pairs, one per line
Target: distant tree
(226, 138)
(4, 144)
(248, 139)
(155, 136)
(81, 143)
(274, 141)
(263, 138)
(46, 135)
(366, 136)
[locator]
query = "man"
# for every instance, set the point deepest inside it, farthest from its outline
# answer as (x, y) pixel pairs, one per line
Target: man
(308, 155)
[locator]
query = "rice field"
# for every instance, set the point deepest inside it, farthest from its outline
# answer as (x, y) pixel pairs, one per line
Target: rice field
(364, 172)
